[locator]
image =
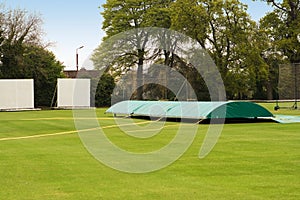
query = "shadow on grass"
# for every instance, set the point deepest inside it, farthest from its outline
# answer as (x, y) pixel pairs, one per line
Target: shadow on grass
(207, 121)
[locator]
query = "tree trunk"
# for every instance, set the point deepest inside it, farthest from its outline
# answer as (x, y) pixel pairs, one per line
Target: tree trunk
(139, 80)
(269, 91)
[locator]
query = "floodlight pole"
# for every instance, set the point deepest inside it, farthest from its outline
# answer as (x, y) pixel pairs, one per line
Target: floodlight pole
(77, 57)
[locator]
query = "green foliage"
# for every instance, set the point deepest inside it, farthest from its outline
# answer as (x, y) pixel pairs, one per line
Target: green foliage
(284, 26)
(12, 63)
(101, 87)
(25, 61)
(226, 31)
(42, 66)
(104, 90)
(247, 53)
(24, 56)
(120, 16)
(191, 18)
(279, 42)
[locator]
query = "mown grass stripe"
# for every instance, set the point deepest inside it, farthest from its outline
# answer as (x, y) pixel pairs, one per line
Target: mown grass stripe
(75, 131)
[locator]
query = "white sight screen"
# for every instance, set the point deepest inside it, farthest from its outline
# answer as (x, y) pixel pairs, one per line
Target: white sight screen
(16, 94)
(73, 93)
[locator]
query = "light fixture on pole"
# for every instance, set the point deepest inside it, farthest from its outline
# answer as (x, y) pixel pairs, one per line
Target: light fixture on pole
(77, 57)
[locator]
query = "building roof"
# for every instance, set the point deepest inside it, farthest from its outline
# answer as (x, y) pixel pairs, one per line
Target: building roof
(82, 73)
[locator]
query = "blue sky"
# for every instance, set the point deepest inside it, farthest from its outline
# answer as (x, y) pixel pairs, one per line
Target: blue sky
(70, 24)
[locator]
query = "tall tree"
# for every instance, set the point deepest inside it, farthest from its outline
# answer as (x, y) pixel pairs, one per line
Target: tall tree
(120, 16)
(24, 55)
(124, 15)
(281, 30)
(269, 51)
(286, 31)
(41, 65)
(225, 30)
(104, 90)
(19, 29)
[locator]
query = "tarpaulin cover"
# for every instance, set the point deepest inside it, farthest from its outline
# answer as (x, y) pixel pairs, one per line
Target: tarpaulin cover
(192, 110)
(286, 119)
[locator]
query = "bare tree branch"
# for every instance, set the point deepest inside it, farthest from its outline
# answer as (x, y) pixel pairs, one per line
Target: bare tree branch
(20, 27)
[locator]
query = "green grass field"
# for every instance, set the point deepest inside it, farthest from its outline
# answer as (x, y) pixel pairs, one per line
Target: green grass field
(250, 161)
